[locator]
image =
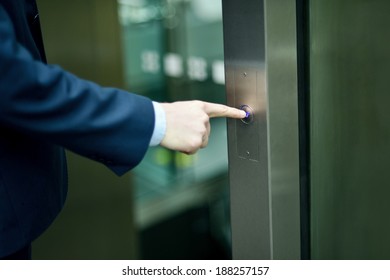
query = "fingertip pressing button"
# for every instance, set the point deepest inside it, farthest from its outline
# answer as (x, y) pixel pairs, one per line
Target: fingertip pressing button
(249, 114)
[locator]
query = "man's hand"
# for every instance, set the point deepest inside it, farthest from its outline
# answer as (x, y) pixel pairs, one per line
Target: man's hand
(188, 123)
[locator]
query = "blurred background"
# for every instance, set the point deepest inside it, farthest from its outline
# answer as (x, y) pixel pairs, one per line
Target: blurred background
(172, 206)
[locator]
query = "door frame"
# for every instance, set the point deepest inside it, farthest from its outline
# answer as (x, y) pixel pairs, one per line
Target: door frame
(261, 65)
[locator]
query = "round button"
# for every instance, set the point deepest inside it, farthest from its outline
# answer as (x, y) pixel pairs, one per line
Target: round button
(249, 114)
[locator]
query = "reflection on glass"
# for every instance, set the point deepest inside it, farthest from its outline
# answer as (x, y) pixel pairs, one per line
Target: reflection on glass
(173, 50)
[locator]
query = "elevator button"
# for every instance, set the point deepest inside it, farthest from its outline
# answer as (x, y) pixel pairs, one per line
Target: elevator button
(249, 114)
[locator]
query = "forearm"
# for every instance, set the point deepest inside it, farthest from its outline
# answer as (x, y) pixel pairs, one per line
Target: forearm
(49, 103)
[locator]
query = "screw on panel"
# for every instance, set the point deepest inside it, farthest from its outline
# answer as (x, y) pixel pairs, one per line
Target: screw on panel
(245, 74)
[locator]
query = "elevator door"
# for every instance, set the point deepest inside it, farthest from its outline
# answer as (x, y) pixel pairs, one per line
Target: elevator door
(309, 172)
(349, 56)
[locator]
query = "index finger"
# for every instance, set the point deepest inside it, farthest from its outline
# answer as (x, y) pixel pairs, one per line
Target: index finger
(214, 110)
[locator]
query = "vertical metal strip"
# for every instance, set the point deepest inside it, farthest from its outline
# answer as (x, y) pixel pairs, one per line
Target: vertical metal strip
(261, 72)
(282, 89)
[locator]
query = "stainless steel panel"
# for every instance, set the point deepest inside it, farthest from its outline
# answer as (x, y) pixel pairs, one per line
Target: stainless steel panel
(245, 48)
(263, 155)
(248, 89)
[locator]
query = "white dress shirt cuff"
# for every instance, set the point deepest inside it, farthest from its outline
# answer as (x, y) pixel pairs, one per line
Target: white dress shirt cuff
(160, 125)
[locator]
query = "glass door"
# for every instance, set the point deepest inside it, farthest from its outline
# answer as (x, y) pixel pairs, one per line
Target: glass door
(173, 50)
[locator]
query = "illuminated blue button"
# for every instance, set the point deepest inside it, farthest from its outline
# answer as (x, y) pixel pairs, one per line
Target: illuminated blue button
(249, 114)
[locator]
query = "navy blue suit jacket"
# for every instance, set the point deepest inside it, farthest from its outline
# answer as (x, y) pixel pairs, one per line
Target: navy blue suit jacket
(44, 108)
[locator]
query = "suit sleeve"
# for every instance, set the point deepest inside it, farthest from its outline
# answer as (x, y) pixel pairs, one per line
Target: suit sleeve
(44, 101)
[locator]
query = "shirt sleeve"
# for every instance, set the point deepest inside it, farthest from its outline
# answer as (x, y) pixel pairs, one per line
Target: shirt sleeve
(160, 124)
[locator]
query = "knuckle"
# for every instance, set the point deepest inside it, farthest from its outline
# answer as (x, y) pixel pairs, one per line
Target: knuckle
(202, 131)
(202, 106)
(224, 109)
(198, 103)
(204, 119)
(196, 143)
(191, 147)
